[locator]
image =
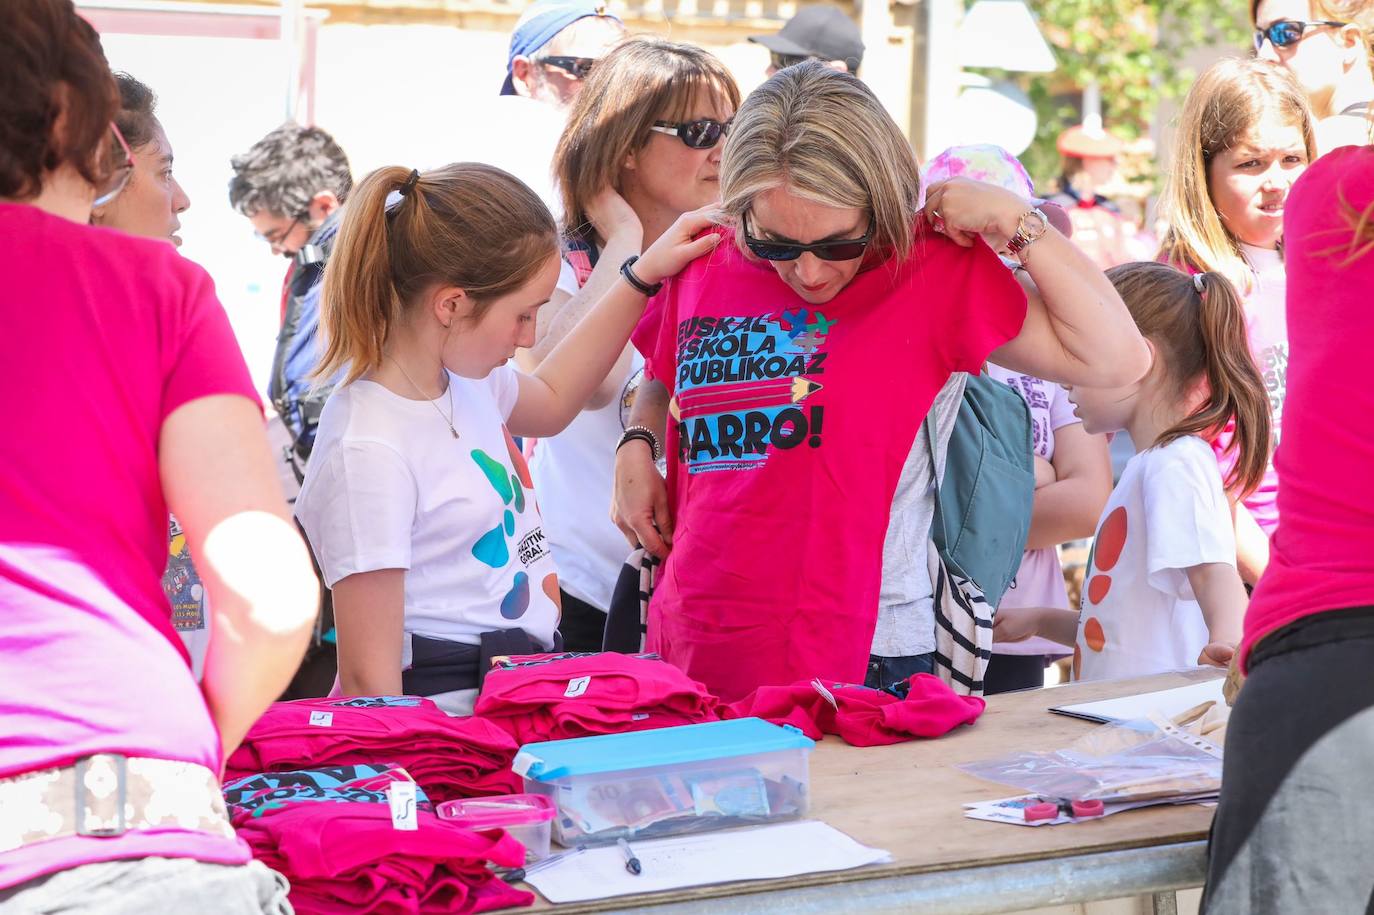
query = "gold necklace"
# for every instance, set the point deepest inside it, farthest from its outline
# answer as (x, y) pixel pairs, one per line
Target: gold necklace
(448, 420)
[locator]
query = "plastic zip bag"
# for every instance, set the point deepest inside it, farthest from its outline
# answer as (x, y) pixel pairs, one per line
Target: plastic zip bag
(1141, 760)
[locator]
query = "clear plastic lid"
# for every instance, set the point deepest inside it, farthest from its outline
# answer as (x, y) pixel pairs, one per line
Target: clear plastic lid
(498, 812)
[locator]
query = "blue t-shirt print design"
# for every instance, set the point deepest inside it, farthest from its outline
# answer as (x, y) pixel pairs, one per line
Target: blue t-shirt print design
(741, 386)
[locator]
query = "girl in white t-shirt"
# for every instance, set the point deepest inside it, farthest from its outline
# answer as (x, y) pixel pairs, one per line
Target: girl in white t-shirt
(416, 502)
(1244, 136)
(1162, 591)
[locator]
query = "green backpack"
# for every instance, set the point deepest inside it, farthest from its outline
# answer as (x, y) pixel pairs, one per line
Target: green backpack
(983, 504)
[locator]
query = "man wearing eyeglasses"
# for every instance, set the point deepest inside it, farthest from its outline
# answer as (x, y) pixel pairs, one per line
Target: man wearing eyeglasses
(822, 33)
(1328, 45)
(291, 185)
(554, 46)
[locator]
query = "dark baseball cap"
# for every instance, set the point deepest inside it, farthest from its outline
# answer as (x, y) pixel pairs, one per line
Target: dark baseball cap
(825, 32)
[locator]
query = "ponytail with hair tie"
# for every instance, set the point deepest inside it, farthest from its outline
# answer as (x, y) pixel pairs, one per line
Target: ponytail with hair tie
(475, 227)
(1199, 330)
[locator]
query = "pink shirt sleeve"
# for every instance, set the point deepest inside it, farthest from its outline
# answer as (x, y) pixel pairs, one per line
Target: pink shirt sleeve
(984, 304)
(201, 356)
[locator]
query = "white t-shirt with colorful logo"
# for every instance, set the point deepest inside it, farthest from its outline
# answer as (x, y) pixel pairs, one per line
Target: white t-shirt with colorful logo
(389, 487)
(1168, 514)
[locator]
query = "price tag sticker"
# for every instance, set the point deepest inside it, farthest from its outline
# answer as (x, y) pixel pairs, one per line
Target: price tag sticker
(321, 719)
(401, 797)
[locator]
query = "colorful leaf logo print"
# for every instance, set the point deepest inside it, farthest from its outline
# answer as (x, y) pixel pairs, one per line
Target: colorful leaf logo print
(493, 548)
(1111, 542)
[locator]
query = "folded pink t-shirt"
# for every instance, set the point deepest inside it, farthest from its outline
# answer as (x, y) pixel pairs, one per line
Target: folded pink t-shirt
(923, 706)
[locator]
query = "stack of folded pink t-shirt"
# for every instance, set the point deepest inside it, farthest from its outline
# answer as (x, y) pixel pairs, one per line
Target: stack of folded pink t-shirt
(448, 757)
(347, 857)
(923, 706)
(553, 697)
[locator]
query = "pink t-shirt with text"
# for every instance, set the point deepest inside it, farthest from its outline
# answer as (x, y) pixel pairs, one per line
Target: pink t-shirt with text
(1322, 556)
(104, 336)
(791, 424)
(1266, 322)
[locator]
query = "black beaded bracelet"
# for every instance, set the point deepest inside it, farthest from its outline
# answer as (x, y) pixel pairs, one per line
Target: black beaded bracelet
(639, 433)
(627, 271)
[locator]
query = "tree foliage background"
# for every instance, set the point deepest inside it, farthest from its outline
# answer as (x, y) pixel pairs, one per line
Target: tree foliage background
(1134, 49)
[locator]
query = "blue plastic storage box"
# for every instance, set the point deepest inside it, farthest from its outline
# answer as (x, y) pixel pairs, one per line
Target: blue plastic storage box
(671, 780)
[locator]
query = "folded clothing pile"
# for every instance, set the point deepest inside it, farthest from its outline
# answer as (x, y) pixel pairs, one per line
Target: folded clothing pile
(346, 856)
(554, 697)
(923, 706)
(258, 795)
(448, 757)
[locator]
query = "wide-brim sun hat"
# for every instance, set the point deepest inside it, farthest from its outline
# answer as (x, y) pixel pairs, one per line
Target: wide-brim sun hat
(1081, 143)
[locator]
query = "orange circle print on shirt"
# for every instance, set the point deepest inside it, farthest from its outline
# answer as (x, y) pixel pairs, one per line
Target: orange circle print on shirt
(1111, 540)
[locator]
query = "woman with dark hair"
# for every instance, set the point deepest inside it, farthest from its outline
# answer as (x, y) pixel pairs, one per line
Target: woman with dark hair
(135, 400)
(152, 202)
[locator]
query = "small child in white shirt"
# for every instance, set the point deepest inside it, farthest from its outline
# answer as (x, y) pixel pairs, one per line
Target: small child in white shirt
(1162, 591)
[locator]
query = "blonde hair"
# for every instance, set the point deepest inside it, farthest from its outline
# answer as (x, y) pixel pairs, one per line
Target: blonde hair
(1221, 109)
(1359, 13)
(639, 81)
(466, 225)
(824, 136)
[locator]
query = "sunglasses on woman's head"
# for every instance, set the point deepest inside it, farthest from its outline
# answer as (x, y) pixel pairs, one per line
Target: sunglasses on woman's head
(703, 133)
(1287, 32)
(119, 178)
(842, 249)
(576, 67)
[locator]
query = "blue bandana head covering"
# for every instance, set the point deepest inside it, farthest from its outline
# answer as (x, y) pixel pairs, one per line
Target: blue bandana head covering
(541, 21)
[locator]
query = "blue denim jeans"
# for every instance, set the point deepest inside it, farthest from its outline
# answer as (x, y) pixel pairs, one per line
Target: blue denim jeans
(887, 671)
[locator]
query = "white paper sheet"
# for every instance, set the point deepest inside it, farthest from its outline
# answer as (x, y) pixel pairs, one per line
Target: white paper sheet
(1168, 702)
(763, 852)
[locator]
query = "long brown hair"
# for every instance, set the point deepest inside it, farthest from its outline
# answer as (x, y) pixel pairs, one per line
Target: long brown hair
(466, 225)
(825, 136)
(53, 64)
(1220, 110)
(637, 82)
(1202, 335)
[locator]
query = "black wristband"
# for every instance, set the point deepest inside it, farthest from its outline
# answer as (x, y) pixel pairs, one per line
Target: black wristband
(642, 435)
(627, 271)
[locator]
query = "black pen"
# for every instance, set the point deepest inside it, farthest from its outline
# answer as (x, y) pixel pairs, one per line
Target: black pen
(631, 862)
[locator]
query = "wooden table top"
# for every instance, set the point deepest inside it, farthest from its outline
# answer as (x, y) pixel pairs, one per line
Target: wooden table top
(908, 798)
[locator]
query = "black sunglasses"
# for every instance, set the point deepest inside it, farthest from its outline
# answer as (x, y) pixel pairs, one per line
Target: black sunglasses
(782, 61)
(577, 67)
(843, 249)
(1287, 32)
(699, 134)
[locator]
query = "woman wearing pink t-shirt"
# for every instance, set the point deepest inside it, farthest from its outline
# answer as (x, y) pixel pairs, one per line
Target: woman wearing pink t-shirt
(1244, 137)
(129, 397)
(1296, 820)
(802, 356)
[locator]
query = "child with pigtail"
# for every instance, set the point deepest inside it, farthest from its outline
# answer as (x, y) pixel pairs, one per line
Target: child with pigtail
(1162, 590)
